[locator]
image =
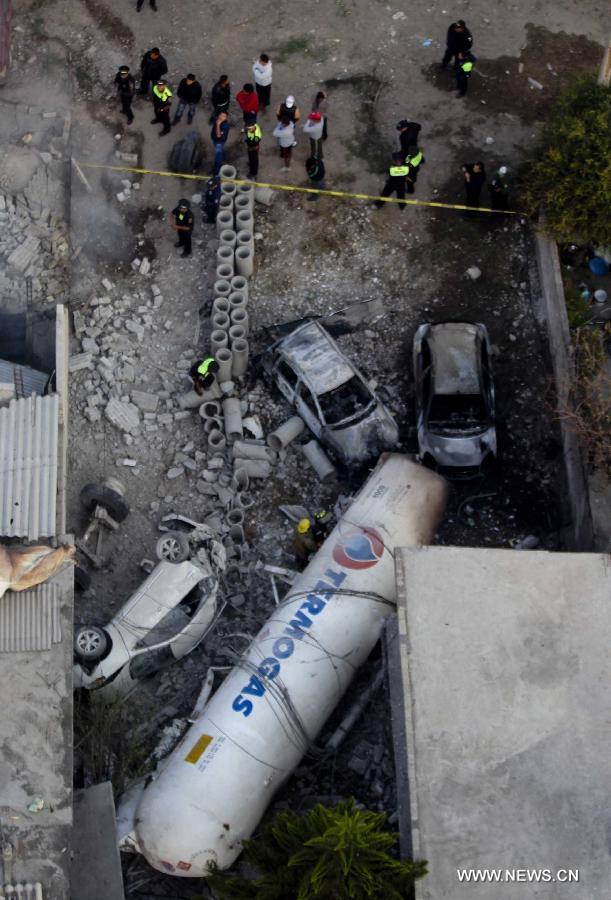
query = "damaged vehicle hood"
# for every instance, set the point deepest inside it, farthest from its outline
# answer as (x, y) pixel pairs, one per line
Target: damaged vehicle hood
(363, 439)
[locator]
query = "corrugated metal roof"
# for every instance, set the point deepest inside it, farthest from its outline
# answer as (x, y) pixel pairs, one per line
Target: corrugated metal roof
(28, 467)
(29, 620)
(27, 381)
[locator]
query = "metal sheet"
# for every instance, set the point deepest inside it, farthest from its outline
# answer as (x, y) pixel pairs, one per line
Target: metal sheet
(27, 381)
(28, 467)
(29, 620)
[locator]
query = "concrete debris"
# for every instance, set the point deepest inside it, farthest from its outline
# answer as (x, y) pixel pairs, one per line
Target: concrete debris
(174, 472)
(145, 401)
(145, 266)
(264, 195)
(79, 361)
(474, 273)
(124, 416)
(24, 255)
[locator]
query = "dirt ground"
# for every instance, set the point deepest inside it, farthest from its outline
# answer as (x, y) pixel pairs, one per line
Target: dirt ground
(378, 64)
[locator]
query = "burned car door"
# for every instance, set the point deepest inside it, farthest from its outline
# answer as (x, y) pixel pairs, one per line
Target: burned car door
(307, 408)
(286, 379)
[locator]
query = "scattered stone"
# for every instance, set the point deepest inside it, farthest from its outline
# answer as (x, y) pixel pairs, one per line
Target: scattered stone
(90, 346)
(107, 285)
(145, 266)
(24, 255)
(93, 414)
(124, 416)
(145, 401)
(79, 361)
(474, 273)
(535, 84)
(127, 462)
(174, 472)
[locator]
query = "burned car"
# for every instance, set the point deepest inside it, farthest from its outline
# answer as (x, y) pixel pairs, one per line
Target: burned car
(454, 398)
(330, 394)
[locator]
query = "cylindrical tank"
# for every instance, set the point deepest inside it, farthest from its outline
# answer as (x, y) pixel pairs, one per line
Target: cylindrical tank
(212, 790)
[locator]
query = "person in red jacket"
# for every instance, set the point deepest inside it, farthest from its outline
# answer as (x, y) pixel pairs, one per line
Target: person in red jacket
(248, 101)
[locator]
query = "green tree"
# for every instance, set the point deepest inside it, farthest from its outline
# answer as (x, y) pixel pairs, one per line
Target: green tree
(569, 172)
(343, 853)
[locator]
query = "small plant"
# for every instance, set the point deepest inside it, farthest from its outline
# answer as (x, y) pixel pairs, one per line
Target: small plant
(283, 52)
(340, 853)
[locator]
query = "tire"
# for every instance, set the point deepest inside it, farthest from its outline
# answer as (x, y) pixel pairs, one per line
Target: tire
(94, 495)
(82, 579)
(90, 643)
(173, 547)
(187, 154)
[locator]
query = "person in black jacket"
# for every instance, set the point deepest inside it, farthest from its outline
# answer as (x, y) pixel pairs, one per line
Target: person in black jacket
(212, 198)
(189, 94)
(408, 135)
(152, 68)
(474, 176)
(126, 88)
(458, 39)
(181, 220)
(220, 96)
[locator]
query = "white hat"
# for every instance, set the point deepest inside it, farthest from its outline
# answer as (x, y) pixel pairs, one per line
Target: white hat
(290, 101)
(503, 170)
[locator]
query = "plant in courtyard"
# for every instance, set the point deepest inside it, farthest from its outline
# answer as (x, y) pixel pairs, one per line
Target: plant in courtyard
(569, 172)
(340, 853)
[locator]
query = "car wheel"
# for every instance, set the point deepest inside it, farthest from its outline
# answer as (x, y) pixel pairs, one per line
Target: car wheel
(94, 495)
(90, 643)
(173, 547)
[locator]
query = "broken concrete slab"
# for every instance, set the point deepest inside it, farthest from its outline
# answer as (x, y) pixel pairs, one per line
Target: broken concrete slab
(124, 416)
(145, 401)
(79, 361)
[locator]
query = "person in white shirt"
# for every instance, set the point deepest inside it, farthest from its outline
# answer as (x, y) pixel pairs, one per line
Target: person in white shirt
(285, 133)
(262, 70)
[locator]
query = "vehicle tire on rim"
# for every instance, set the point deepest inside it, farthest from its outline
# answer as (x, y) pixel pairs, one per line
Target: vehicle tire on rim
(90, 642)
(94, 495)
(173, 546)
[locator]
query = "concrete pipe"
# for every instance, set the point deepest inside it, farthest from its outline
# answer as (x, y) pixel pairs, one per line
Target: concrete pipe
(256, 468)
(319, 461)
(227, 387)
(224, 359)
(239, 316)
(229, 190)
(224, 220)
(210, 409)
(228, 171)
(228, 236)
(190, 399)
(244, 219)
(252, 450)
(244, 238)
(218, 339)
(221, 321)
(285, 433)
(236, 333)
(226, 203)
(224, 255)
(237, 300)
(236, 533)
(234, 517)
(221, 306)
(224, 271)
(248, 191)
(215, 424)
(244, 261)
(232, 415)
(239, 351)
(239, 482)
(241, 202)
(243, 499)
(216, 441)
(239, 284)
(222, 288)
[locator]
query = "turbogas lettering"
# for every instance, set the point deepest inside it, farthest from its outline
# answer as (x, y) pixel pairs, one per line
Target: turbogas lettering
(284, 645)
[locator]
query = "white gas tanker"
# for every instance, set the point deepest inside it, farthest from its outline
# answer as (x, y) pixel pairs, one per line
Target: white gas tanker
(212, 790)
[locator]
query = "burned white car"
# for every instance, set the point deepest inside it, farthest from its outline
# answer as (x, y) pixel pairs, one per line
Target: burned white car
(454, 398)
(163, 620)
(330, 394)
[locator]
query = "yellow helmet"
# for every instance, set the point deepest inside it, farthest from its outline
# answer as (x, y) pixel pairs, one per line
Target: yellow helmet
(303, 526)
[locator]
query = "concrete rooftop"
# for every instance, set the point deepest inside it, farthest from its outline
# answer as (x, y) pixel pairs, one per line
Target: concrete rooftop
(505, 668)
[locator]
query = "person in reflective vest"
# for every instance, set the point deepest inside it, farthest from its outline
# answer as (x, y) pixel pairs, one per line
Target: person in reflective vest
(181, 220)
(202, 374)
(396, 181)
(414, 159)
(463, 69)
(253, 139)
(162, 97)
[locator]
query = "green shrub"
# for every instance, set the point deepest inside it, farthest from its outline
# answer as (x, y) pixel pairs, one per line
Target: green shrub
(569, 172)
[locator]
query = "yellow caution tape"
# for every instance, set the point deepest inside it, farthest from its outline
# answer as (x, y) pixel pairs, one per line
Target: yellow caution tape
(306, 190)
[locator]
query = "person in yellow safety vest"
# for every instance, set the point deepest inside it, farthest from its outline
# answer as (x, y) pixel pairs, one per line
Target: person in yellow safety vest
(202, 374)
(162, 97)
(414, 159)
(463, 67)
(181, 220)
(253, 139)
(304, 543)
(396, 181)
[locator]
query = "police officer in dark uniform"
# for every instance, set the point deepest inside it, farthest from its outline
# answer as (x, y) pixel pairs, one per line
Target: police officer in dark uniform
(152, 67)
(408, 134)
(126, 88)
(181, 220)
(463, 68)
(414, 158)
(397, 180)
(212, 198)
(162, 103)
(459, 39)
(202, 373)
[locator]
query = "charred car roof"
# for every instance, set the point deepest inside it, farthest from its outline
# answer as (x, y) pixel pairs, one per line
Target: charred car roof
(454, 349)
(313, 352)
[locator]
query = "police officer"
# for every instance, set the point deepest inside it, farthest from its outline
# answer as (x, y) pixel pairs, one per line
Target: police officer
(408, 134)
(396, 181)
(463, 69)
(212, 198)
(458, 39)
(414, 159)
(126, 88)
(253, 139)
(320, 526)
(202, 373)
(152, 67)
(162, 102)
(181, 220)
(499, 189)
(304, 543)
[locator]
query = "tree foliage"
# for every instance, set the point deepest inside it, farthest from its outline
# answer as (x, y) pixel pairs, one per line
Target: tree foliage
(343, 853)
(569, 173)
